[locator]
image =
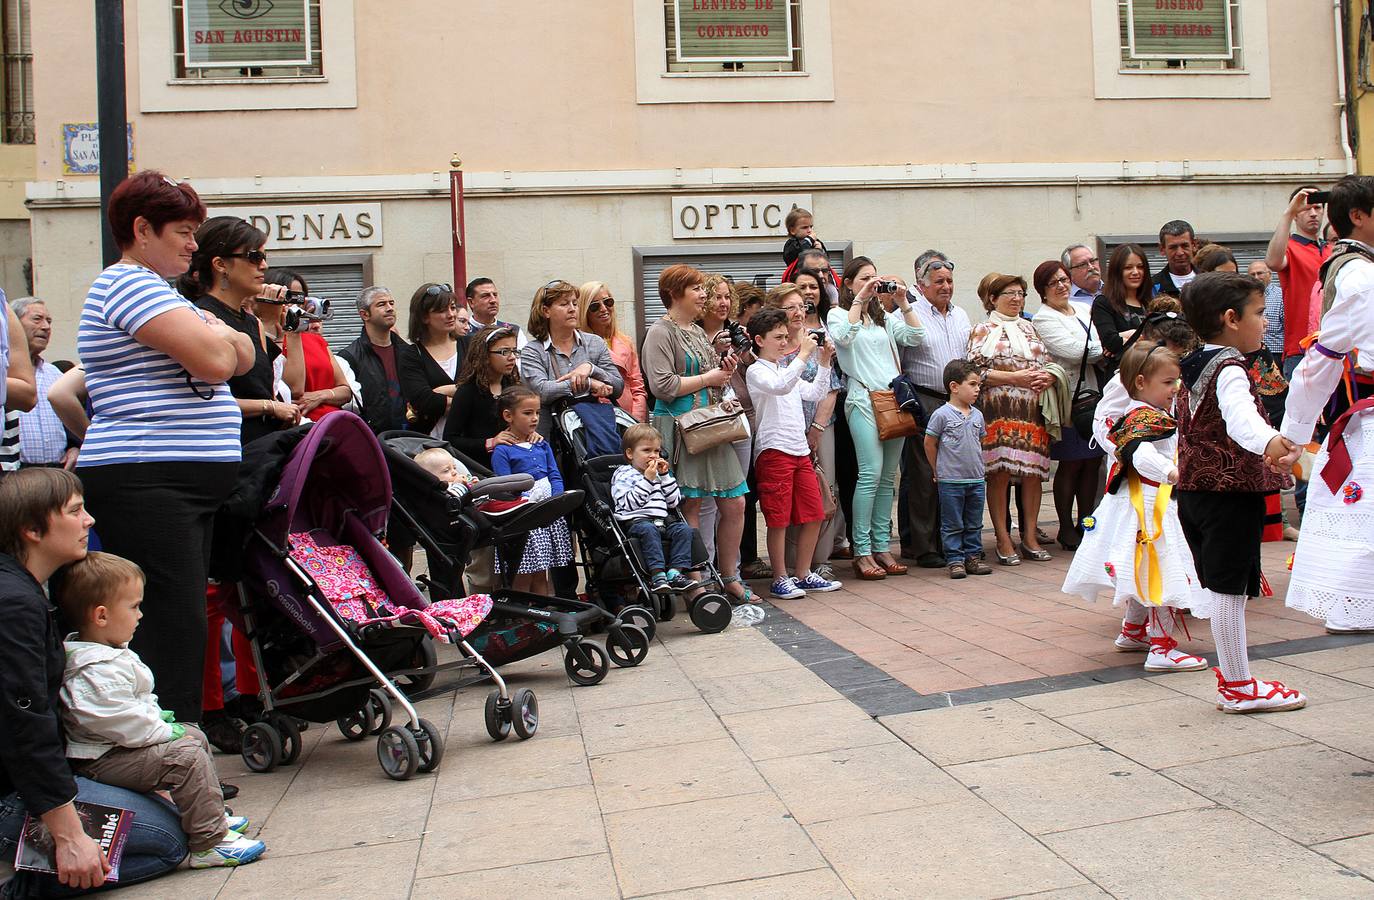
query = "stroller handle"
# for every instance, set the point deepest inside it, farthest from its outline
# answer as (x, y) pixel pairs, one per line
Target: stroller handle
(511, 485)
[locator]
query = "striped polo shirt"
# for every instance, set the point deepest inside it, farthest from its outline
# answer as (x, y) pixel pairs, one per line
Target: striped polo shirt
(147, 408)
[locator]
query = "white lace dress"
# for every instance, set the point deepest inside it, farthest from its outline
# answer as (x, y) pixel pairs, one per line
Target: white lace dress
(1105, 561)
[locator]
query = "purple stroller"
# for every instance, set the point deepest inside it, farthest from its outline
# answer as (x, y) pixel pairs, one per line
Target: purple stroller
(329, 612)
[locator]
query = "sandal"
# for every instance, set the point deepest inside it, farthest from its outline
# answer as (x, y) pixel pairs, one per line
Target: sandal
(891, 568)
(867, 570)
(1039, 554)
(736, 600)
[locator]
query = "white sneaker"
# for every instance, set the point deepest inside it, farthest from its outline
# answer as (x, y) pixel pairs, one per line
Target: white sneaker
(1256, 696)
(1166, 657)
(233, 850)
(1333, 628)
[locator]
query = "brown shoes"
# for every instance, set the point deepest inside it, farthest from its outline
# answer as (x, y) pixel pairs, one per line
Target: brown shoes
(975, 566)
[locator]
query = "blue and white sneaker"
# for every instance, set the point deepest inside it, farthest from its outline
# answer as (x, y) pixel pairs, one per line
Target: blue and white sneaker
(786, 589)
(234, 850)
(236, 824)
(814, 582)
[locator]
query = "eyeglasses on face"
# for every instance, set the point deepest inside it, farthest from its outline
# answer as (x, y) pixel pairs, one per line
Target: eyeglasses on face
(596, 305)
(256, 257)
(507, 352)
(1090, 261)
(1060, 281)
(1012, 295)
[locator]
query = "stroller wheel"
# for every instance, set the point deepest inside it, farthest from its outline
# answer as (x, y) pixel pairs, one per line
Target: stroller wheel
(398, 752)
(627, 645)
(359, 724)
(586, 663)
(524, 714)
(290, 737)
(426, 657)
(667, 606)
(638, 615)
(498, 719)
(711, 613)
(261, 747)
(380, 704)
(431, 744)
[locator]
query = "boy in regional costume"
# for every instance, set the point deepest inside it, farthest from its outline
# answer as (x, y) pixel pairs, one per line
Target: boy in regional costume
(1333, 568)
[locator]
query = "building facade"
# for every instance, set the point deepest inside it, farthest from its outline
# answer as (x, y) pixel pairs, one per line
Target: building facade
(604, 140)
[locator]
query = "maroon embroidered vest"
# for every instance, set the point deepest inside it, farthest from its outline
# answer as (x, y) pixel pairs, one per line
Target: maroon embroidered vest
(1208, 460)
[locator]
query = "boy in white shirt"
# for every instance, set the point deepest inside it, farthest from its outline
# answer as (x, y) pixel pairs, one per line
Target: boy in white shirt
(788, 491)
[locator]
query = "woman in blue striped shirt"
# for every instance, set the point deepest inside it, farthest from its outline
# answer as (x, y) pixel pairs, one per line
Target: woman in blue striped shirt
(162, 450)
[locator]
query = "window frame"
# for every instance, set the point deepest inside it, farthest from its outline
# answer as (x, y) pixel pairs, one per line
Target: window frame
(17, 125)
(1149, 63)
(795, 61)
(186, 74)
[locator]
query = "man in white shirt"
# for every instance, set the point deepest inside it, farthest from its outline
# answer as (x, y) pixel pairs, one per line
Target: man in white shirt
(484, 305)
(42, 439)
(1085, 272)
(1176, 245)
(947, 328)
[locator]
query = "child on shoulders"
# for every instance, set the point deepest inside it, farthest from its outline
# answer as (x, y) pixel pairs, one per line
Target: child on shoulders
(117, 733)
(643, 492)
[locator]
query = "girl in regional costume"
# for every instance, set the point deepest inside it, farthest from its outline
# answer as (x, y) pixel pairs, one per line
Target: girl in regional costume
(1333, 567)
(1133, 545)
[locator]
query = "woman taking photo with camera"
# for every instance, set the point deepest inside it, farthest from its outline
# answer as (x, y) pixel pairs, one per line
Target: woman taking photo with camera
(428, 371)
(326, 387)
(872, 320)
(227, 274)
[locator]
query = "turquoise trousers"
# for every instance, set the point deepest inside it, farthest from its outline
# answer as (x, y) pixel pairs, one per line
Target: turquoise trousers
(878, 461)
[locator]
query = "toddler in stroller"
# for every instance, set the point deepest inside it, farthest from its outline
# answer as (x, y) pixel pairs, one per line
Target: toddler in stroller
(328, 611)
(521, 625)
(612, 561)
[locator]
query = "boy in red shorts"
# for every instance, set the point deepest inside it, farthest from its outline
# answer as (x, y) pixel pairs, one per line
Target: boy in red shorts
(788, 491)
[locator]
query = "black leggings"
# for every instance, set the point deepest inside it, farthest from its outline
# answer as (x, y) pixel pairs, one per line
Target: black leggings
(160, 515)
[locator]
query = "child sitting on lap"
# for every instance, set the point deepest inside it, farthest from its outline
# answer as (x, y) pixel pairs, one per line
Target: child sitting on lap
(643, 493)
(116, 732)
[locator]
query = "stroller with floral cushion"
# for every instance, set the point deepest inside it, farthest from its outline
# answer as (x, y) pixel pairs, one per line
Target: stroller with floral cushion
(329, 612)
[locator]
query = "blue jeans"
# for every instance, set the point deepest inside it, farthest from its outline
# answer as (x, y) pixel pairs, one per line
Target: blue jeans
(676, 533)
(961, 519)
(155, 847)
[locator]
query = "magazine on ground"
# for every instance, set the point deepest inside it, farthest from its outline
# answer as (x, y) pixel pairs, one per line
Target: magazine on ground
(108, 826)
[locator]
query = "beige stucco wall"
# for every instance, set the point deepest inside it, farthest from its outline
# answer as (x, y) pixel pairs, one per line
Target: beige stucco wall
(985, 80)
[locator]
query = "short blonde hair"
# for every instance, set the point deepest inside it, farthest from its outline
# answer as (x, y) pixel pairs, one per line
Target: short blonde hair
(780, 293)
(711, 282)
(91, 582)
(430, 460)
(640, 434)
(795, 216)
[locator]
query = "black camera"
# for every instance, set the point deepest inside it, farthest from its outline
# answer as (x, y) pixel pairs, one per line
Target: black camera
(818, 334)
(739, 338)
(301, 311)
(887, 287)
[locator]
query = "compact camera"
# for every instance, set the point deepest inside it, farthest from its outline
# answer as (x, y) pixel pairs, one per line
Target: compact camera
(818, 334)
(887, 287)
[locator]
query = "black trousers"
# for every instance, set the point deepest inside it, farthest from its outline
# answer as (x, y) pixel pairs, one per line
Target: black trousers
(160, 515)
(918, 503)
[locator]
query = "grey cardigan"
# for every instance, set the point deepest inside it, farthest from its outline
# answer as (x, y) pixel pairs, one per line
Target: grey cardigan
(541, 365)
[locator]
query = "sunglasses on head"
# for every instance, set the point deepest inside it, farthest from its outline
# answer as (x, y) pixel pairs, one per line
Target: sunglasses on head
(937, 264)
(256, 257)
(435, 290)
(596, 304)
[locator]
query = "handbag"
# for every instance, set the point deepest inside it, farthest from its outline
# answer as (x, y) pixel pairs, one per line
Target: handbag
(828, 503)
(1083, 408)
(892, 419)
(707, 427)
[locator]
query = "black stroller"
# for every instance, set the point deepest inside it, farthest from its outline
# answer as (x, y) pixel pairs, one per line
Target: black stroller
(611, 561)
(449, 529)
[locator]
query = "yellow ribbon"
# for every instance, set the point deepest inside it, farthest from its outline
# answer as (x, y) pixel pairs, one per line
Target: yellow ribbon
(1145, 541)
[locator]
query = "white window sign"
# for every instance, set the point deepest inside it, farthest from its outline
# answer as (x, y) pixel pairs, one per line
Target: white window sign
(734, 215)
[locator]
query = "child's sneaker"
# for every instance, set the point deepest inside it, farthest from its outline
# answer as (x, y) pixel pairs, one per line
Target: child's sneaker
(957, 570)
(660, 584)
(234, 850)
(786, 589)
(1166, 657)
(976, 566)
(815, 582)
(1256, 696)
(236, 824)
(1132, 638)
(678, 581)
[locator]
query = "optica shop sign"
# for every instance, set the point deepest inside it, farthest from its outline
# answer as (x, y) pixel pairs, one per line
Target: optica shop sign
(733, 30)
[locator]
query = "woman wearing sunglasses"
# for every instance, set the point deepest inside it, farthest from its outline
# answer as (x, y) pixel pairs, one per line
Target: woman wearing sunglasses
(429, 370)
(228, 273)
(596, 314)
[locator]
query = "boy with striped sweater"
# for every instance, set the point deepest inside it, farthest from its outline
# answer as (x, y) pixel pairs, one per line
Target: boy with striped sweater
(643, 493)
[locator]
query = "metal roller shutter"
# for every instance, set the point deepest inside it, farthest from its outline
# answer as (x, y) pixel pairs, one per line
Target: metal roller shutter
(750, 262)
(1245, 247)
(340, 284)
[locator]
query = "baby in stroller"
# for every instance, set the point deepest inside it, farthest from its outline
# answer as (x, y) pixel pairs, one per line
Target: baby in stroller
(441, 464)
(643, 492)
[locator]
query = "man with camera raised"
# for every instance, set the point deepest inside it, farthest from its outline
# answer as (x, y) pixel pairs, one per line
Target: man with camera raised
(946, 338)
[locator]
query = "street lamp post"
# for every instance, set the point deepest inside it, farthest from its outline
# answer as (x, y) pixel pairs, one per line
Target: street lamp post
(113, 135)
